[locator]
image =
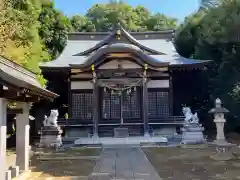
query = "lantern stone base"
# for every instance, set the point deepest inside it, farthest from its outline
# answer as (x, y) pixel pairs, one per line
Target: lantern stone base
(222, 144)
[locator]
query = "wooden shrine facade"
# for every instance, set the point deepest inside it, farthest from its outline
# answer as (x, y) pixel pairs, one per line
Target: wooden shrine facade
(121, 80)
(121, 96)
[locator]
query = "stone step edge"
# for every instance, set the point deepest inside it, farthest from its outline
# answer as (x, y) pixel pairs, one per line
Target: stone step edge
(69, 158)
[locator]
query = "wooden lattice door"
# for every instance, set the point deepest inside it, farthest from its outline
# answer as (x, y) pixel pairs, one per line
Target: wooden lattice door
(120, 107)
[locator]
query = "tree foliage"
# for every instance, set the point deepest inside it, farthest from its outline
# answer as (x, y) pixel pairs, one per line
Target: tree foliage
(214, 35)
(54, 28)
(102, 17)
(32, 31)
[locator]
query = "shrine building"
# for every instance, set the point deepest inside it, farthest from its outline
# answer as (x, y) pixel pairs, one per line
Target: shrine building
(118, 79)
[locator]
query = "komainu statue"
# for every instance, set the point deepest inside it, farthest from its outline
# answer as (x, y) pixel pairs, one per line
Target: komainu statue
(51, 131)
(192, 131)
(190, 118)
(52, 119)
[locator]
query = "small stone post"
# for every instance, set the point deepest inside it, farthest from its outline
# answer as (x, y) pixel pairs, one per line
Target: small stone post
(219, 120)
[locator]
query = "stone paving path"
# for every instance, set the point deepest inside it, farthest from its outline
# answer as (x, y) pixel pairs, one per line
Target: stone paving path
(123, 163)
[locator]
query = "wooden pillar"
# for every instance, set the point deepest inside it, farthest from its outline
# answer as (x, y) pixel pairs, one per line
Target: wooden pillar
(145, 102)
(95, 103)
(69, 96)
(3, 137)
(170, 96)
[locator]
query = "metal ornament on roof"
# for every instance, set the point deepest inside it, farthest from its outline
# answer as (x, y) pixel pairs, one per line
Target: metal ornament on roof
(118, 34)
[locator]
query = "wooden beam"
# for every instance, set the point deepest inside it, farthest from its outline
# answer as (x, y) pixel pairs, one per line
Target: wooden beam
(14, 111)
(162, 69)
(8, 94)
(16, 96)
(119, 55)
(157, 74)
(76, 71)
(23, 90)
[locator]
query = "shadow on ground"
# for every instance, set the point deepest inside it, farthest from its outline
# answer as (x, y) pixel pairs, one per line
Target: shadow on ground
(65, 163)
(192, 163)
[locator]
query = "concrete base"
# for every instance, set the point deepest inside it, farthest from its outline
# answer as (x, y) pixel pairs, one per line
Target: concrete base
(147, 135)
(222, 143)
(77, 132)
(120, 141)
(222, 146)
(121, 132)
(15, 171)
(8, 175)
(166, 131)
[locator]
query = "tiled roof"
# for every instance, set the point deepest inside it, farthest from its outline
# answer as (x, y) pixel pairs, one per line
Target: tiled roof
(18, 76)
(81, 45)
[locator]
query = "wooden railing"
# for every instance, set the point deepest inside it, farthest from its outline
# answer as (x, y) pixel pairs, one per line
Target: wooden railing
(74, 122)
(168, 120)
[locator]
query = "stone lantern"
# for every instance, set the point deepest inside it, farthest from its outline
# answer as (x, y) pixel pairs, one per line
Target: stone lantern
(219, 120)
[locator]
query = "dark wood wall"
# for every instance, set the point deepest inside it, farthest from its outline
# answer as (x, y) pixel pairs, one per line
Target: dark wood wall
(188, 90)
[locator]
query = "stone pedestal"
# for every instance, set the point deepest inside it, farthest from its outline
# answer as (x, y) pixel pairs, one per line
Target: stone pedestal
(121, 132)
(192, 134)
(51, 136)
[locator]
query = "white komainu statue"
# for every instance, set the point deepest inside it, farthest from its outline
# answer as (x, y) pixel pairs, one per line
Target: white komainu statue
(52, 131)
(190, 118)
(52, 119)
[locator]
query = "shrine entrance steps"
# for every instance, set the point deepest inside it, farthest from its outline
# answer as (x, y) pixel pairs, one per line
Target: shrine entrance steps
(157, 140)
(108, 130)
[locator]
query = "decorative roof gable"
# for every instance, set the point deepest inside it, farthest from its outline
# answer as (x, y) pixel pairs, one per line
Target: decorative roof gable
(154, 48)
(120, 35)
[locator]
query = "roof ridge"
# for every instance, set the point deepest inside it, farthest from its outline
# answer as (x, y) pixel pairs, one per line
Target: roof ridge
(6, 61)
(131, 32)
(117, 32)
(137, 43)
(97, 46)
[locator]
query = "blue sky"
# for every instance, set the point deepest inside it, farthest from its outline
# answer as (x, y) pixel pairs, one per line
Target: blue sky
(173, 8)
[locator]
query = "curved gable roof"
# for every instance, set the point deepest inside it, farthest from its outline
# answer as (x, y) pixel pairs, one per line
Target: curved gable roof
(82, 46)
(119, 48)
(131, 39)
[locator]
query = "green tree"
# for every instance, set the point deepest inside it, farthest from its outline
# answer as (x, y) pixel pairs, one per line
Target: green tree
(22, 43)
(82, 24)
(214, 35)
(103, 16)
(209, 3)
(160, 22)
(54, 28)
